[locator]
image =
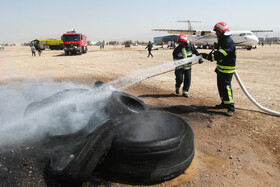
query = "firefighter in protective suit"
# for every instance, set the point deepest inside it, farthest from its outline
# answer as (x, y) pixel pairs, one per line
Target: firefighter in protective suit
(183, 73)
(225, 55)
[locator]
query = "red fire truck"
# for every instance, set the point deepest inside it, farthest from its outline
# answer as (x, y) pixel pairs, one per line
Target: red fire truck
(127, 43)
(74, 42)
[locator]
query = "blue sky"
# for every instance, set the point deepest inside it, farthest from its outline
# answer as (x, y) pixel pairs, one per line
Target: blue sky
(25, 20)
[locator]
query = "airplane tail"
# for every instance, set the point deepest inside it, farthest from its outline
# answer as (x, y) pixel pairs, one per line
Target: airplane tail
(189, 23)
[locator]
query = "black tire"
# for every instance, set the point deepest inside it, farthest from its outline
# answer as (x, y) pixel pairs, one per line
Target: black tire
(32, 107)
(85, 49)
(150, 147)
(35, 106)
(121, 103)
(249, 48)
(98, 84)
(76, 166)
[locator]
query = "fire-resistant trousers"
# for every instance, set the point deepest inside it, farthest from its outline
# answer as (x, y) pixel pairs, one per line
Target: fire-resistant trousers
(150, 53)
(183, 75)
(224, 87)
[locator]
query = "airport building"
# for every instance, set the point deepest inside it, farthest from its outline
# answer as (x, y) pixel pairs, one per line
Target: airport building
(165, 39)
(272, 40)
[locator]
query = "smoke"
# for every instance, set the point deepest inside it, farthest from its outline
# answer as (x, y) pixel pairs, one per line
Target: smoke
(31, 110)
(151, 126)
(57, 108)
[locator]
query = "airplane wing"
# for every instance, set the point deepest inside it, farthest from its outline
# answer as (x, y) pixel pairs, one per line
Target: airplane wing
(187, 32)
(262, 30)
(172, 31)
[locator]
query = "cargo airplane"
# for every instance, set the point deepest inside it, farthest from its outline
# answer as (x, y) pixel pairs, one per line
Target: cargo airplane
(206, 39)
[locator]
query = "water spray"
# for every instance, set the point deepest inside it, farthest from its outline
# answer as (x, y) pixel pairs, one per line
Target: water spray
(134, 78)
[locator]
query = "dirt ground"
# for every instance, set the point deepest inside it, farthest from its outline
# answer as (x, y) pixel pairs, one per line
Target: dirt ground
(242, 150)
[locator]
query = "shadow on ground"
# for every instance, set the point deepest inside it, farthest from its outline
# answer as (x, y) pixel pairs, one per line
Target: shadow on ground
(159, 95)
(181, 109)
(184, 109)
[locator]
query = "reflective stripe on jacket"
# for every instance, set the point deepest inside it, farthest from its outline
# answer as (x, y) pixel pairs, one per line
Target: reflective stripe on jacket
(225, 55)
(186, 52)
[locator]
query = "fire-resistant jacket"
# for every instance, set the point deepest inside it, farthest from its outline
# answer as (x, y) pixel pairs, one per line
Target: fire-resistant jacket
(225, 55)
(184, 52)
(149, 46)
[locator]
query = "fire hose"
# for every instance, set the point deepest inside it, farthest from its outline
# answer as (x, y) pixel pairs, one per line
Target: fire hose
(251, 98)
(189, 60)
(128, 80)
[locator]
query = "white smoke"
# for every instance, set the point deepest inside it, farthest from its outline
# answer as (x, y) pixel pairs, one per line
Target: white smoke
(63, 113)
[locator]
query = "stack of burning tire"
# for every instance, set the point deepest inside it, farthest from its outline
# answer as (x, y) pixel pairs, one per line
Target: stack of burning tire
(150, 147)
(136, 145)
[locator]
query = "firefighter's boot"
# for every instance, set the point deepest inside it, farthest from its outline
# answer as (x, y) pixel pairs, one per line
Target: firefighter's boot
(177, 90)
(230, 111)
(185, 94)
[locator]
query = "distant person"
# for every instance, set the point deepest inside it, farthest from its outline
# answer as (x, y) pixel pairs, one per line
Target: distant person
(33, 50)
(38, 48)
(150, 47)
(169, 45)
(39, 51)
(173, 45)
(102, 44)
(183, 73)
(225, 55)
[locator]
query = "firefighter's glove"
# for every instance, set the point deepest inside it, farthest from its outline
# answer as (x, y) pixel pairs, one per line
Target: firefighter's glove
(200, 61)
(204, 55)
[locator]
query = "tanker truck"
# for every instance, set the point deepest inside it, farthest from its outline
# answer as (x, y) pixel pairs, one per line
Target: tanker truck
(53, 44)
(74, 42)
